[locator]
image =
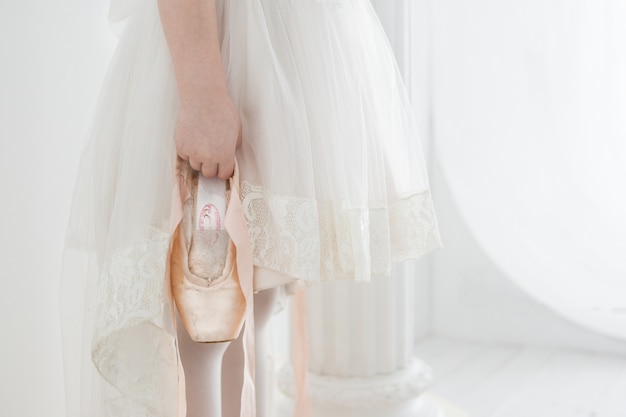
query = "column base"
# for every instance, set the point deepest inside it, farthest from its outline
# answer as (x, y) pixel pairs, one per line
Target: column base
(417, 407)
(396, 394)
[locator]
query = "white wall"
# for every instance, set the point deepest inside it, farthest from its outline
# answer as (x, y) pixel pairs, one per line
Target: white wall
(54, 55)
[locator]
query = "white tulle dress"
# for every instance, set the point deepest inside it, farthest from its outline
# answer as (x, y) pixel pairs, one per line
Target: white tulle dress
(334, 184)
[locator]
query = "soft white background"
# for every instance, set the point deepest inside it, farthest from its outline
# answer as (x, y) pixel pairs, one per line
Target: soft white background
(54, 56)
(529, 120)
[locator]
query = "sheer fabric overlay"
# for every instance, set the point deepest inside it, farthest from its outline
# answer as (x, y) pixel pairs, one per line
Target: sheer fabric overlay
(334, 184)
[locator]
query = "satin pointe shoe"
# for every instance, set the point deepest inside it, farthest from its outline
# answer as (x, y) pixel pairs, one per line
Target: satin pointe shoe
(203, 271)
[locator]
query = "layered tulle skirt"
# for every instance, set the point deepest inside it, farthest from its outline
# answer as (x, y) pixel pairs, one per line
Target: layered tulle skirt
(334, 184)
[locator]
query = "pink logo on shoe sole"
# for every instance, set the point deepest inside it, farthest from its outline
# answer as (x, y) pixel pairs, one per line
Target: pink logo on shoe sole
(210, 218)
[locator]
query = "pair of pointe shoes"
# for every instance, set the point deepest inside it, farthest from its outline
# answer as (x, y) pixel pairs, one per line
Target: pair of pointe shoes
(203, 272)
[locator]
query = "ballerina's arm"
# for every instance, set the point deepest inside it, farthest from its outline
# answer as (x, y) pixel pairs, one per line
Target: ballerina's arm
(208, 127)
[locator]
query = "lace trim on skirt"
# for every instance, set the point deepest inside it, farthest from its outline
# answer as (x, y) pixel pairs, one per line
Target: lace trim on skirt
(310, 241)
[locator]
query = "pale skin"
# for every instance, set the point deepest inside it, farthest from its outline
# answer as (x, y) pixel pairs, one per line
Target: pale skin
(208, 127)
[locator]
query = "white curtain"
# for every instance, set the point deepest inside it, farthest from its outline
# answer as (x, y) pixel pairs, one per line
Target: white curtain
(528, 110)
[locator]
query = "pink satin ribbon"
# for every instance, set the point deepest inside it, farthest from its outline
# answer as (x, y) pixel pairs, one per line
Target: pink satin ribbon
(238, 231)
(176, 215)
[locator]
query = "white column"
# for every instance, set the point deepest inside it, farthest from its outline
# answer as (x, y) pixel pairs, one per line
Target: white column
(361, 360)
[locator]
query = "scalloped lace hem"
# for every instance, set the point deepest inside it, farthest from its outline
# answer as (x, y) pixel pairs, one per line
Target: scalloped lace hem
(302, 239)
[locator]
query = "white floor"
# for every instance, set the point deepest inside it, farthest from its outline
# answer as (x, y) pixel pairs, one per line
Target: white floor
(496, 380)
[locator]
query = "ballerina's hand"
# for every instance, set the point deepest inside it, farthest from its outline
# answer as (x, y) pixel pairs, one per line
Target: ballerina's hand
(207, 133)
